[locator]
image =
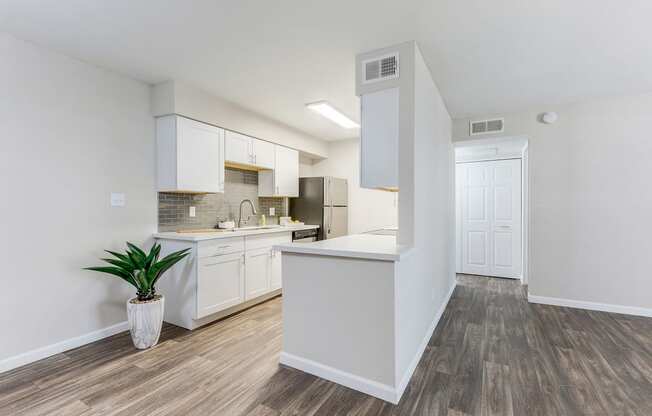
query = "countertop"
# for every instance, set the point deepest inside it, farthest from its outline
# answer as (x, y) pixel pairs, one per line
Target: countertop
(227, 234)
(363, 246)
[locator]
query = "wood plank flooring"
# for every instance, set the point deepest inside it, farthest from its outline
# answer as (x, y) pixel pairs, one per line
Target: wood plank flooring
(492, 354)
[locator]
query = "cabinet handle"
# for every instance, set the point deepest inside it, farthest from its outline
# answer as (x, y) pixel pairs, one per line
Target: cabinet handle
(277, 190)
(254, 159)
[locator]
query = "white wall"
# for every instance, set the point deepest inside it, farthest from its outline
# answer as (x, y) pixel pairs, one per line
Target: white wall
(176, 97)
(305, 167)
(427, 275)
(369, 209)
(72, 133)
(590, 200)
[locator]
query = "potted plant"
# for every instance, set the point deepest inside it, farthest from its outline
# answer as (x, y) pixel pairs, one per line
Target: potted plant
(142, 270)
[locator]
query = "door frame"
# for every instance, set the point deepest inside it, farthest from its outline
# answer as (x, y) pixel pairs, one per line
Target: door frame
(526, 192)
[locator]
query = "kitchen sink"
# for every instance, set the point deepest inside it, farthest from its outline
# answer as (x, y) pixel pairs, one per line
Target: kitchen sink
(230, 230)
(203, 230)
(257, 227)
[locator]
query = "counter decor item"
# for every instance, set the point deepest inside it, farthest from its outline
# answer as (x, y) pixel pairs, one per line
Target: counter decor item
(142, 270)
(284, 221)
(226, 225)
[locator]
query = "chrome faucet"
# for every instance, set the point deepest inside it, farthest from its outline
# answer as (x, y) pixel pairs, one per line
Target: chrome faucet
(253, 211)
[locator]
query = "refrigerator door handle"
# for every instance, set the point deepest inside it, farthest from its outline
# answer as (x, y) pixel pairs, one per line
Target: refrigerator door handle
(328, 199)
(330, 220)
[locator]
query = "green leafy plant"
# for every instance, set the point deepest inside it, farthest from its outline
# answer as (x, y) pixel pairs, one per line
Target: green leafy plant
(139, 269)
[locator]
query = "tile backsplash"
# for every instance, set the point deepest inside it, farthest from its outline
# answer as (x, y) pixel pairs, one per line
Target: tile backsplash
(174, 208)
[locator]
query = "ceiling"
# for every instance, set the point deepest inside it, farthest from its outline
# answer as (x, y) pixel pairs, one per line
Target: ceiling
(273, 57)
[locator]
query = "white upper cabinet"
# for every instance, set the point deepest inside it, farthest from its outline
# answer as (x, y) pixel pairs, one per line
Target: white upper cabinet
(190, 155)
(248, 151)
(379, 140)
(238, 148)
(264, 154)
(284, 179)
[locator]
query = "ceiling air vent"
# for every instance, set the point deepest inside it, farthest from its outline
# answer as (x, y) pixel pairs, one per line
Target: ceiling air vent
(380, 68)
(496, 125)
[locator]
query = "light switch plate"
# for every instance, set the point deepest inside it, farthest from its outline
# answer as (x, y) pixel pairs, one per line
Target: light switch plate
(272, 211)
(118, 199)
(192, 212)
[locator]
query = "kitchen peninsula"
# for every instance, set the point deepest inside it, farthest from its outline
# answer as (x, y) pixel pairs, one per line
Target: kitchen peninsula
(344, 311)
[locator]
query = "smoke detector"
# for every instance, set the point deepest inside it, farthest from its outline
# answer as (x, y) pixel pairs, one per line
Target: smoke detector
(549, 117)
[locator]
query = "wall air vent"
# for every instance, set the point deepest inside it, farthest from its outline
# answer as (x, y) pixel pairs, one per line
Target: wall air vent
(496, 125)
(380, 68)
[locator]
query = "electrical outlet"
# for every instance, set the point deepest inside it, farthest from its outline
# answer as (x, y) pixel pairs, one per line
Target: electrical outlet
(192, 212)
(272, 211)
(118, 199)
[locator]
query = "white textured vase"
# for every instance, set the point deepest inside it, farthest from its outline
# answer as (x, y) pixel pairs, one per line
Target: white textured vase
(145, 321)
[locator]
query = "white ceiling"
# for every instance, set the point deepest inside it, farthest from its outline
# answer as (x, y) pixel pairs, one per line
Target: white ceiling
(274, 56)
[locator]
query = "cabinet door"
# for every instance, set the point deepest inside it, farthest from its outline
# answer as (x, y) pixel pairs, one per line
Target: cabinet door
(379, 139)
(264, 154)
(220, 283)
(198, 156)
(257, 272)
(275, 279)
(286, 173)
(238, 148)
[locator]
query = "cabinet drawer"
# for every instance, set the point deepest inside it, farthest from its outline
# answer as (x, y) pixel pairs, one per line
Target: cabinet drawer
(267, 240)
(220, 246)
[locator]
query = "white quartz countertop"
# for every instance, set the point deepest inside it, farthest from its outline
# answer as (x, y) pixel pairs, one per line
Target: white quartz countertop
(211, 235)
(363, 246)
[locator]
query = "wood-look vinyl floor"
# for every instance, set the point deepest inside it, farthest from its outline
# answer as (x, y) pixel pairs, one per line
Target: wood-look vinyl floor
(492, 354)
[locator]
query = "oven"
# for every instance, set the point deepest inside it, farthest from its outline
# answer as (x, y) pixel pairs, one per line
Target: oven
(305, 236)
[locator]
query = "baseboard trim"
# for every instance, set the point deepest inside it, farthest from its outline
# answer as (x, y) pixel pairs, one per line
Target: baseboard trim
(593, 306)
(370, 387)
(38, 354)
(407, 376)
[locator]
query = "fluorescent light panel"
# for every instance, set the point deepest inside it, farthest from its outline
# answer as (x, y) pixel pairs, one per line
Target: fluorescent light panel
(327, 110)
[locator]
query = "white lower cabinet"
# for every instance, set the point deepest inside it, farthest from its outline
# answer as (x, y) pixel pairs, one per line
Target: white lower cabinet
(258, 272)
(220, 283)
(219, 275)
(275, 278)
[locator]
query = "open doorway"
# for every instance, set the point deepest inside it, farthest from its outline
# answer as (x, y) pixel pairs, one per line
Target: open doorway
(491, 207)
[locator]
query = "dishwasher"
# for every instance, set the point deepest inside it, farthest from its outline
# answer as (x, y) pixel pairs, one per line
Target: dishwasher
(305, 236)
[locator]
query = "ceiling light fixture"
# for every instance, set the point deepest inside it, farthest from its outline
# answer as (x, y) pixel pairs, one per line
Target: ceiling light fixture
(326, 110)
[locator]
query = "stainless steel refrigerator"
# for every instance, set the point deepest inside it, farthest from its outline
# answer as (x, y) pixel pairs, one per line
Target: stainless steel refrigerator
(323, 201)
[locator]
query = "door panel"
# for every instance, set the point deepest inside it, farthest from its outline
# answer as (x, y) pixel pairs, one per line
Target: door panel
(276, 277)
(257, 272)
(198, 159)
(336, 222)
(336, 191)
(286, 172)
(477, 243)
(476, 226)
(264, 154)
(238, 148)
(220, 283)
(490, 209)
(477, 204)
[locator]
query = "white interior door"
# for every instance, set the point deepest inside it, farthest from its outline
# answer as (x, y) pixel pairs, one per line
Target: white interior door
(490, 209)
